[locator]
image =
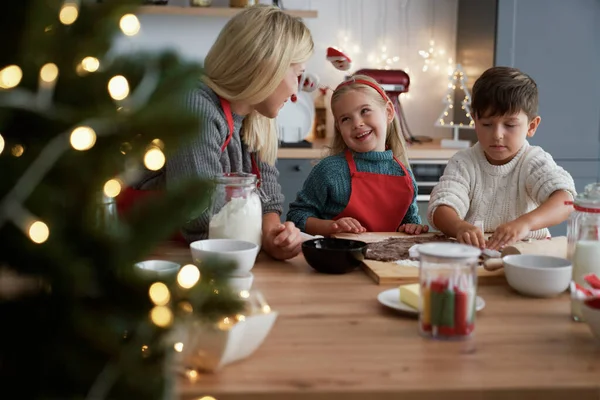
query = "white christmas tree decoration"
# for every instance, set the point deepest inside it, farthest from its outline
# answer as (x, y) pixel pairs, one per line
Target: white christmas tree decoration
(446, 118)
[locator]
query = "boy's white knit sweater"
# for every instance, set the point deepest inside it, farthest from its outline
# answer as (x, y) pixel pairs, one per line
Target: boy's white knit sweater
(497, 194)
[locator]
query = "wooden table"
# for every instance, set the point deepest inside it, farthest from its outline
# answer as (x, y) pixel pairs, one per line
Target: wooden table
(333, 340)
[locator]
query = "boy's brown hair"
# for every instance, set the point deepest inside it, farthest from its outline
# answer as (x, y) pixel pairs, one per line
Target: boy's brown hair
(504, 91)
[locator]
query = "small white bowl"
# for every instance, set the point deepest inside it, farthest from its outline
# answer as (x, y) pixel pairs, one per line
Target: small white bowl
(592, 317)
(241, 282)
(537, 275)
(153, 268)
(242, 253)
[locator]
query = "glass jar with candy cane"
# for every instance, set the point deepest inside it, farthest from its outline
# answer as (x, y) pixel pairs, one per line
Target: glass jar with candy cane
(448, 290)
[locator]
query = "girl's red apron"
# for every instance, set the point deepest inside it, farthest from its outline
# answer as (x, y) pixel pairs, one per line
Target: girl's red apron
(129, 196)
(379, 202)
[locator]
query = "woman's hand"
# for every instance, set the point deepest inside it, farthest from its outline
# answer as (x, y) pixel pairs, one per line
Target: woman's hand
(413, 229)
(281, 241)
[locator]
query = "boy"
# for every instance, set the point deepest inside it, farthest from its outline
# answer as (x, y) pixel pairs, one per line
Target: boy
(517, 190)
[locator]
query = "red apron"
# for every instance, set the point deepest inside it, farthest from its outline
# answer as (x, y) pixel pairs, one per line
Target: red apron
(379, 202)
(129, 196)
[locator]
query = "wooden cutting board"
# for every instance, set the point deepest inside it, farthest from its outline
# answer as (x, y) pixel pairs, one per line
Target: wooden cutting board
(388, 273)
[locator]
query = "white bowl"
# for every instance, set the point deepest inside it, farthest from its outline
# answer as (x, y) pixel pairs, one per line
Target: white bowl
(537, 275)
(241, 282)
(209, 348)
(592, 317)
(154, 268)
(242, 253)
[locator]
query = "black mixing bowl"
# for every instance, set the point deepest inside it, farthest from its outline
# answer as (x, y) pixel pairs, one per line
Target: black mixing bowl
(334, 256)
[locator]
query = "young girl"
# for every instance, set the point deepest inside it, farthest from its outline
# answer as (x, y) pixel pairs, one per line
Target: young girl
(364, 185)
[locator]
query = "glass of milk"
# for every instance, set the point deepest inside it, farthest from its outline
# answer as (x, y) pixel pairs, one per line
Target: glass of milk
(584, 240)
(236, 210)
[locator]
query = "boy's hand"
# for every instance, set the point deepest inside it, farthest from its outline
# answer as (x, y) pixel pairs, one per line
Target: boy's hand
(413, 229)
(470, 234)
(508, 233)
(346, 225)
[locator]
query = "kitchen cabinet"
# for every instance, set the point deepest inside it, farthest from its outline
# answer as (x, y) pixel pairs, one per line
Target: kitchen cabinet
(557, 43)
(292, 174)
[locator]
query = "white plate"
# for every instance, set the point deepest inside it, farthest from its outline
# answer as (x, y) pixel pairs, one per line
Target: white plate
(295, 120)
(391, 298)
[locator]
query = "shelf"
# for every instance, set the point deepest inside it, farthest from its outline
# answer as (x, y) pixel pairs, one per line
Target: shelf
(223, 12)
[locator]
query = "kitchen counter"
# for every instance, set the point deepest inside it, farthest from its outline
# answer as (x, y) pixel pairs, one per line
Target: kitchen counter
(333, 340)
(431, 150)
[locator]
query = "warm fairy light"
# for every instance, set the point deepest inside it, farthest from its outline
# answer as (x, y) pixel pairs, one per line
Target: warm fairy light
(154, 159)
(90, 64)
(39, 232)
(158, 143)
(83, 138)
(159, 294)
(266, 309)
(178, 347)
(118, 87)
(226, 324)
(186, 307)
(10, 77)
(192, 374)
(112, 188)
(161, 316)
(1, 144)
(68, 13)
(49, 73)
(188, 276)
(130, 24)
(244, 294)
(240, 317)
(17, 150)
(207, 398)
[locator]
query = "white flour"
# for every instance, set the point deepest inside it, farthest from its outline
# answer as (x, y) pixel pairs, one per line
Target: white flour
(240, 218)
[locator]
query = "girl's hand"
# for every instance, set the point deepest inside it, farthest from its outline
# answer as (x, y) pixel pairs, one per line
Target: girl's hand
(470, 234)
(413, 229)
(346, 225)
(507, 234)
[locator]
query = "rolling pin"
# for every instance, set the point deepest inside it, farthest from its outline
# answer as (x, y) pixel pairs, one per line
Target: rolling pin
(556, 247)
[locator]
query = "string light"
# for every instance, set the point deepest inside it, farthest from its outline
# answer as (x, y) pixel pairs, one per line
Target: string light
(112, 188)
(129, 24)
(49, 73)
(83, 138)
(17, 150)
(68, 13)
(118, 87)
(39, 232)
(1, 144)
(159, 294)
(207, 398)
(161, 316)
(158, 143)
(186, 307)
(192, 374)
(10, 76)
(188, 276)
(178, 347)
(225, 324)
(154, 159)
(244, 294)
(90, 64)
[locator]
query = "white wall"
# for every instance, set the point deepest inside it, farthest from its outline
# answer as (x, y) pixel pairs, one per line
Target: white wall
(403, 26)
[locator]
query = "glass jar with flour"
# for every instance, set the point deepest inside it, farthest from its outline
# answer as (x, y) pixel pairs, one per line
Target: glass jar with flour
(584, 239)
(236, 211)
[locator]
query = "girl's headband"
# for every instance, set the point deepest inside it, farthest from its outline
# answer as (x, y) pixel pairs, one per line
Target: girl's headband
(364, 82)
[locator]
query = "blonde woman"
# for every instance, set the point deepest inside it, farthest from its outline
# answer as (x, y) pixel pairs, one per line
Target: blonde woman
(250, 72)
(365, 184)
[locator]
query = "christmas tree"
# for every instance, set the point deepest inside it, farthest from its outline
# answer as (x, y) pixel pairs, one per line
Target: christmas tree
(77, 320)
(448, 117)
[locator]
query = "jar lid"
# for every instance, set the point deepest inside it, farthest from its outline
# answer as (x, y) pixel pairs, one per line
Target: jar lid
(236, 179)
(449, 250)
(590, 198)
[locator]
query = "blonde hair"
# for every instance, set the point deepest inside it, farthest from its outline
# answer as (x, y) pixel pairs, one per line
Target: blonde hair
(249, 60)
(394, 139)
